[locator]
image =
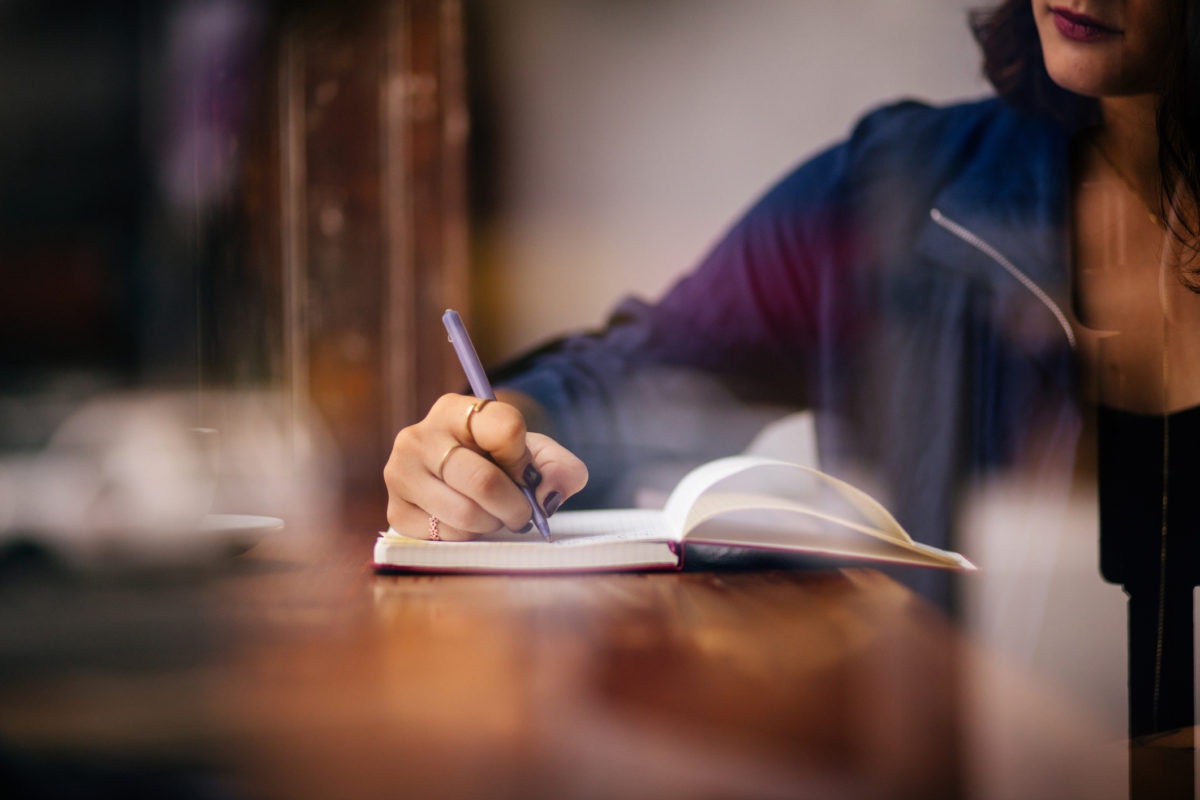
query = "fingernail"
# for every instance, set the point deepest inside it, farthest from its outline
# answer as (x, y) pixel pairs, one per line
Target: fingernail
(552, 502)
(526, 528)
(531, 476)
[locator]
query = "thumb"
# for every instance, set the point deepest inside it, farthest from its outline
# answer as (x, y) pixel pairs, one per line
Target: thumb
(563, 473)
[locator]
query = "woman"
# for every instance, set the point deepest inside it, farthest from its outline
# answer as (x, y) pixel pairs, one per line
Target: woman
(941, 290)
(1134, 234)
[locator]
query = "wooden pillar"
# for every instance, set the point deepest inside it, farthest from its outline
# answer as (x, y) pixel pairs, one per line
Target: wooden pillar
(372, 226)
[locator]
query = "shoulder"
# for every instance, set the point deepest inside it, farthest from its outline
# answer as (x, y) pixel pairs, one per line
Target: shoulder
(896, 160)
(943, 140)
(906, 146)
(899, 157)
(922, 124)
(921, 144)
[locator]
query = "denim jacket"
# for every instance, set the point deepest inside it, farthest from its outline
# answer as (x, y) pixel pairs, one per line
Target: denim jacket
(909, 285)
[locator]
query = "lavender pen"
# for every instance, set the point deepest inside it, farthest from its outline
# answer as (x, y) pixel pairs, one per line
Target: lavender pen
(481, 387)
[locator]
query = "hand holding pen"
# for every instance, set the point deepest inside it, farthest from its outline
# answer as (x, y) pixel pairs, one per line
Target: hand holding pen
(530, 477)
(471, 467)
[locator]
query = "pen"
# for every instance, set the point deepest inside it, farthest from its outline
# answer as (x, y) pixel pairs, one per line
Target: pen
(481, 387)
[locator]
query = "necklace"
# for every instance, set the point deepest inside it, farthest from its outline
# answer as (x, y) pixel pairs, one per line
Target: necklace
(1155, 217)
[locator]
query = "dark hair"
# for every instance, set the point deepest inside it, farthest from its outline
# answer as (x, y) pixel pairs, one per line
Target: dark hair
(1179, 136)
(1012, 63)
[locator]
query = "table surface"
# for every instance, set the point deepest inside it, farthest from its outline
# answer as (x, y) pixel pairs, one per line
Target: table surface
(293, 671)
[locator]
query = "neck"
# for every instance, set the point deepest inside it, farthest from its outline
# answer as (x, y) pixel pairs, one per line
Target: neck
(1129, 139)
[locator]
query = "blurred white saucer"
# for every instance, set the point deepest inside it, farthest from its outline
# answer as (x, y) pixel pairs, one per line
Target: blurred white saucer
(236, 533)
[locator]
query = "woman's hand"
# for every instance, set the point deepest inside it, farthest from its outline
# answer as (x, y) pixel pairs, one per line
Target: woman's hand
(448, 476)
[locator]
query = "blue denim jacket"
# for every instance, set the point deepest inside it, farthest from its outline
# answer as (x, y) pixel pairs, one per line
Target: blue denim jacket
(909, 285)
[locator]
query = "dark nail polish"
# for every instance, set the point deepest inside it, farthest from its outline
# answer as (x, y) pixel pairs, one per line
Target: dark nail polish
(531, 476)
(552, 502)
(526, 528)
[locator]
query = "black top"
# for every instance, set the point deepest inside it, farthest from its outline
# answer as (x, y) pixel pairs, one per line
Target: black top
(1149, 464)
(1149, 479)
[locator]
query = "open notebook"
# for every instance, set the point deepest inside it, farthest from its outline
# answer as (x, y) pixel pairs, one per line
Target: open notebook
(738, 502)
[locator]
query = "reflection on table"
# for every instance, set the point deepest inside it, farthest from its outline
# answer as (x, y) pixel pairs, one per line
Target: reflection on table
(296, 672)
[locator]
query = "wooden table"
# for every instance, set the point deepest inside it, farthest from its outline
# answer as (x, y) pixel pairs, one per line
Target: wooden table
(295, 672)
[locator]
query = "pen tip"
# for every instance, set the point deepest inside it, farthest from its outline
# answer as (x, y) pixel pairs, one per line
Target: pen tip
(543, 527)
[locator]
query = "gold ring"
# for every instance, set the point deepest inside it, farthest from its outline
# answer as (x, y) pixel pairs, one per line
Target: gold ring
(441, 467)
(434, 536)
(475, 408)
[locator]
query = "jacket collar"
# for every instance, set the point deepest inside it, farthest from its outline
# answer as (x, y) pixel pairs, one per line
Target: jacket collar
(1013, 195)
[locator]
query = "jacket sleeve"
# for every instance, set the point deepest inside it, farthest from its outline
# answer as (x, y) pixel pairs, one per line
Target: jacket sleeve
(729, 347)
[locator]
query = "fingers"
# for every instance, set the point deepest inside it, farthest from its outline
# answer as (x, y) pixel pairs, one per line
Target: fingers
(492, 498)
(459, 465)
(412, 521)
(491, 428)
(497, 429)
(563, 474)
(468, 493)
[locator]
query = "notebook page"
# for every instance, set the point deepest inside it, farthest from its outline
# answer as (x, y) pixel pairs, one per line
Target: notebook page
(750, 473)
(583, 541)
(613, 525)
(581, 528)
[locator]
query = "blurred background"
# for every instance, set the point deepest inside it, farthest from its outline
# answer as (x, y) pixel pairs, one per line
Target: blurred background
(232, 199)
(614, 142)
(228, 229)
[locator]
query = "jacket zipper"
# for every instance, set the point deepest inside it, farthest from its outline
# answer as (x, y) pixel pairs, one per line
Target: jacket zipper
(984, 247)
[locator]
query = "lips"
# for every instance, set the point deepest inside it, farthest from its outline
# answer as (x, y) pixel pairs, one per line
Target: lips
(1082, 28)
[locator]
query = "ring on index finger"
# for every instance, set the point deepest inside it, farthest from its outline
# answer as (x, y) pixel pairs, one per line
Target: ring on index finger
(475, 408)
